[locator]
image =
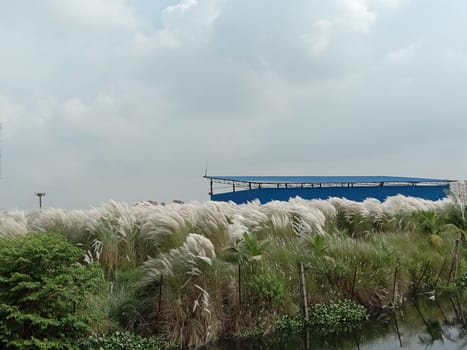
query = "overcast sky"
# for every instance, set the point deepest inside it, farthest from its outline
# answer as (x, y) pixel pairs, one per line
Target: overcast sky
(126, 100)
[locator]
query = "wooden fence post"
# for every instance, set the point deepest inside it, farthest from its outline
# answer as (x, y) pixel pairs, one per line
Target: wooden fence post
(303, 291)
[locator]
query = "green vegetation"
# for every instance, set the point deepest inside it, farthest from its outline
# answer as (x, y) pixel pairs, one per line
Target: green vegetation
(45, 292)
(287, 324)
(332, 317)
(121, 341)
(461, 282)
(193, 273)
(337, 317)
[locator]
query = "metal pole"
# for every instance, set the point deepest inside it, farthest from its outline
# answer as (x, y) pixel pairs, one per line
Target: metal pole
(40, 195)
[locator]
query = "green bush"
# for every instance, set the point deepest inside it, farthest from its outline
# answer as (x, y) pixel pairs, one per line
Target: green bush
(267, 288)
(121, 341)
(337, 316)
(44, 292)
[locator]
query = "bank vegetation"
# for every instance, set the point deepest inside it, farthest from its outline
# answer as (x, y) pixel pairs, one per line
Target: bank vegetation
(196, 272)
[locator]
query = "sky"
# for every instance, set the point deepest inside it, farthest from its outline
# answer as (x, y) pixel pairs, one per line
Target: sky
(128, 99)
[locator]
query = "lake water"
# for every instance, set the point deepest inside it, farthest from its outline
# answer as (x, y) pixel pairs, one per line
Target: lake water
(423, 324)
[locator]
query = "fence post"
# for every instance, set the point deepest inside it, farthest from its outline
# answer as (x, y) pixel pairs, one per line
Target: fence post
(303, 291)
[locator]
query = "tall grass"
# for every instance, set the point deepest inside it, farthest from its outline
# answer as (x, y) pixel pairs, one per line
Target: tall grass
(172, 275)
(12, 224)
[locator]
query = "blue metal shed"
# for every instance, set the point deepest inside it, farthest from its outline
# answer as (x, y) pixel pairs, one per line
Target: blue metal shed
(243, 189)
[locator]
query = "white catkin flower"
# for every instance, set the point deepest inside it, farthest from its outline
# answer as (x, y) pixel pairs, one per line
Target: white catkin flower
(200, 246)
(12, 224)
(186, 260)
(218, 222)
(237, 229)
(280, 221)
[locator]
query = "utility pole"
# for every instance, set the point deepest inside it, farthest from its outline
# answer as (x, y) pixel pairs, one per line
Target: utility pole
(40, 195)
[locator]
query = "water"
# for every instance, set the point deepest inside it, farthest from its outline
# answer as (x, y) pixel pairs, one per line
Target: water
(424, 324)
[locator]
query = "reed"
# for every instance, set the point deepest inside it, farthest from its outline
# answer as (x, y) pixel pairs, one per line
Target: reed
(200, 271)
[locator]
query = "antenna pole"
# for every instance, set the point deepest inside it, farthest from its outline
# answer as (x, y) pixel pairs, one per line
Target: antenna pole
(40, 195)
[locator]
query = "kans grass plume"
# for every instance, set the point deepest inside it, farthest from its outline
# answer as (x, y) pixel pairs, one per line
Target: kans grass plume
(178, 250)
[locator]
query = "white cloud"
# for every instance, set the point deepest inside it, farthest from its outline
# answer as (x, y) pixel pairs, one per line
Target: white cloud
(350, 16)
(9, 111)
(96, 13)
(318, 41)
(389, 3)
(403, 55)
(456, 58)
(181, 7)
(126, 100)
(150, 43)
(191, 20)
(356, 15)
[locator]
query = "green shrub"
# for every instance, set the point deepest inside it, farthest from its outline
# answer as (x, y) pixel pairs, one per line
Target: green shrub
(121, 341)
(337, 316)
(267, 288)
(44, 292)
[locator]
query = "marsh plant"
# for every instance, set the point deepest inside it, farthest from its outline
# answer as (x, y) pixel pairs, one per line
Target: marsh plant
(121, 341)
(337, 316)
(194, 272)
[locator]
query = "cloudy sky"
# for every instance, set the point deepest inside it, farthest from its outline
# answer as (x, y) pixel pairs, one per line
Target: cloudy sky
(126, 100)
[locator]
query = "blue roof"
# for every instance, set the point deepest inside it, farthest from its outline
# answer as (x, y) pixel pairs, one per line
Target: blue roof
(325, 179)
